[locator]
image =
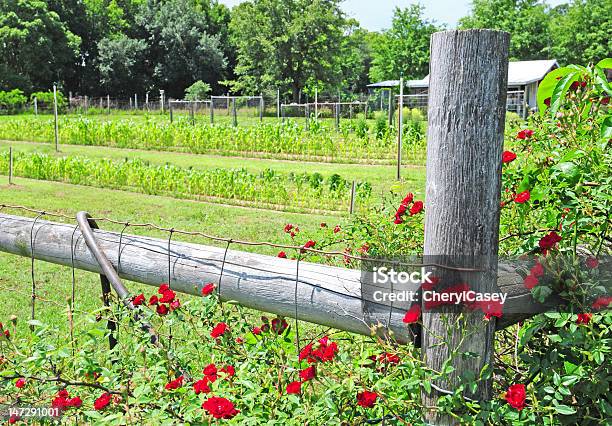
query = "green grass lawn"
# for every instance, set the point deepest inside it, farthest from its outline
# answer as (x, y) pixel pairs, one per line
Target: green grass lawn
(54, 282)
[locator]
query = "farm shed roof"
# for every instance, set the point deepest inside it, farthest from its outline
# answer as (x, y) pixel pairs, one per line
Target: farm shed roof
(519, 73)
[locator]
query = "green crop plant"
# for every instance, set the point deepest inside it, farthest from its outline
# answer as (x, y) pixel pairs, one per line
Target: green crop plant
(268, 188)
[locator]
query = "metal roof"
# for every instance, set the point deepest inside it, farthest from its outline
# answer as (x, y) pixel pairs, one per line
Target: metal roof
(384, 84)
(519, 73)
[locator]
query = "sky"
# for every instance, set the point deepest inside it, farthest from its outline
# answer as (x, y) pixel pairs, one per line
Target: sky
(376, 15)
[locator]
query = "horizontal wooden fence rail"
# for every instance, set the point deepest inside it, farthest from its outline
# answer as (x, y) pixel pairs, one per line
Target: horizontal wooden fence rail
(325, 295)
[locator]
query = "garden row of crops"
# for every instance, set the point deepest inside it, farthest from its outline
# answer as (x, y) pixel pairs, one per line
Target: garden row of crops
(357, 141)
(270, 189)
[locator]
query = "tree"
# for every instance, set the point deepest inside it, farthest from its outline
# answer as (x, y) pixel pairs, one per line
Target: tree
(403, 50)
(37, 49)
(290, 44)
(182, 45)
(198, 91)
(527, 21)
(580, 31)
(121, 65)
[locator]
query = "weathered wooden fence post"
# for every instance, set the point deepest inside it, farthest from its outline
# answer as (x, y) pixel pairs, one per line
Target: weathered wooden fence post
(467, 99)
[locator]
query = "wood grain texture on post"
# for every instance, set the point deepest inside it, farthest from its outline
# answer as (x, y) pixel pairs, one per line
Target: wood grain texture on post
(466, 113)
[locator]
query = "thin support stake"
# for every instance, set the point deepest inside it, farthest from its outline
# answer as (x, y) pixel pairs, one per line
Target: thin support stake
(400, 129)
(55, 117)
(10, 165)
(352, 205)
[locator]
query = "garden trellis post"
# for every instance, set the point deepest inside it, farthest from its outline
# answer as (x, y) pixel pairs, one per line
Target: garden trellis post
(277, 103)
(261, 106)
(35, 106)
(466, 112)
(108, 104)
(399, 128)
(10, 165)
(55, 117)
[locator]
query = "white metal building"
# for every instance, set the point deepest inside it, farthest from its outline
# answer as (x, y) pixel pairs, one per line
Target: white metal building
(523, 80)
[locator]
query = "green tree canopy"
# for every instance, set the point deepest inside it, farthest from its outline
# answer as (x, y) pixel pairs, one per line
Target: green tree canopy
(182, 46)
(36, 47)
(403, 50)
(527, 21)
(580, 31)
(121, 65)
(291, 44)
(198, 91)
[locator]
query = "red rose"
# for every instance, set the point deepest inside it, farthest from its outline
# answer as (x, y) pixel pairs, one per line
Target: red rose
(602, 302)
(408, 198)
(219, 330)
(175, 305)
(401, 210)
(417, 207)
(530, 281)
(14, 419)
(162, 309)
(153, 300)
(102, 401)
(282, 255)
(210, 371)
(208, 289)
(239, 340)
(398, 220)
(549, 241)
(308, 373)
(256, 331)
(163, 288)
(294, 388)
(584, 318)
(75, 402)
(323, 225)
(592, 262)
(305, 352)
(167, 296)
(20, 383)
(229, 370)
(7, 334)
(508, 156)
(366, 399)
(289, 228)
(138, 300)
(413, 314)
(175, 384)
(537, 270)
(524, 134)
(219, 408)
(201, 386)
(337, 229)
(522, 197)
(326, 351)
(309, 244)
(389, 357)
(515, 396)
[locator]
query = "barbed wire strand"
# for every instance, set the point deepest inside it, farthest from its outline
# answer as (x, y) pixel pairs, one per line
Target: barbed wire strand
(249, 243)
